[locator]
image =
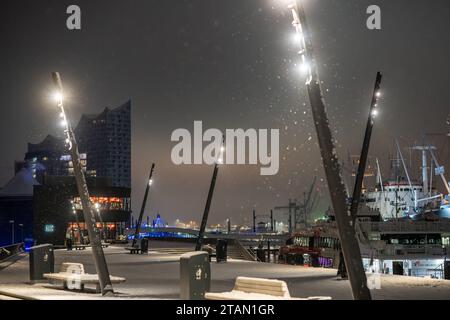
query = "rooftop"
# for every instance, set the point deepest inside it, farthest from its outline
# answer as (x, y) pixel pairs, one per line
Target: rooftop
(21, 185)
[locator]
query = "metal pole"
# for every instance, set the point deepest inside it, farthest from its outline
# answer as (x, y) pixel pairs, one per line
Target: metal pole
(21, 232)
(201, 233)
(441, 174)
(365, 150)
(12, 231)
(295, 216)
(88, 212)
(102, 230)
(425, 171)
(290, 221)
(430, 189)
(254, 221)
(305, 203)
(349, 243)
(78, 224)
(144, 202)
(271, 220)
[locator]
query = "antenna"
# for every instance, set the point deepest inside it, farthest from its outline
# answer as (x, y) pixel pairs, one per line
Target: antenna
(448, 125)
(440, 171)
(380, 178)
(406, 172)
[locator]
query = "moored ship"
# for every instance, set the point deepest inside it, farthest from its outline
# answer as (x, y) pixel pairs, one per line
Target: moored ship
(403, 227)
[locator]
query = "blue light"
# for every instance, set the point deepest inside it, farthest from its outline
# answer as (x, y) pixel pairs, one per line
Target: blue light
(445, 213)
(28, 243)
(162, 234)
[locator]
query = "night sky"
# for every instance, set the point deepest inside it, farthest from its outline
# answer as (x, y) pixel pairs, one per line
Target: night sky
(229, 63)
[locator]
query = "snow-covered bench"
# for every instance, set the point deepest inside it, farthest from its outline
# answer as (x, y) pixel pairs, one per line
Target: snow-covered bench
(73, 277)
(136, 250)
(257, 289)
(84, 246)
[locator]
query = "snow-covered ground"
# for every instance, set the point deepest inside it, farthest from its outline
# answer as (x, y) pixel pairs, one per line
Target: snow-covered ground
(156, 275)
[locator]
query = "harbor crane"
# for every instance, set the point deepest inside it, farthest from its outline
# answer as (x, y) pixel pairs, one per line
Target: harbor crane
(301, 211)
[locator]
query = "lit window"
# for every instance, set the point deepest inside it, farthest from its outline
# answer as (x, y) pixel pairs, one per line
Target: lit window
(446, 241)
(49, 228)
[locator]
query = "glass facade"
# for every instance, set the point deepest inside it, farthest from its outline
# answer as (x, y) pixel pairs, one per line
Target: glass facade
(104, 142)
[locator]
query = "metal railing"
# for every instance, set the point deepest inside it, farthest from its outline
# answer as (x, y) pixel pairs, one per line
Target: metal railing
(245, 253)
(438, 270)
(7, 252)
(405, 226)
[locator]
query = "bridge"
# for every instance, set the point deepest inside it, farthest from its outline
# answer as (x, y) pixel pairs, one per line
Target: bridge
(173, 232)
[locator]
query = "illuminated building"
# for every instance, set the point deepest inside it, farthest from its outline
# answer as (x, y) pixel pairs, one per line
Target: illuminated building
(104, 142)
(58, 211)
(44, 158)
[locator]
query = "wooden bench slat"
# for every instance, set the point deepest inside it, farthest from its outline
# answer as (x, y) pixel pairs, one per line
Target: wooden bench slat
(74, 272)
(240, 295)
(72, 267)
(83, 278)
(262, 286)
(257, 289)
(259, 285)
(262, 291)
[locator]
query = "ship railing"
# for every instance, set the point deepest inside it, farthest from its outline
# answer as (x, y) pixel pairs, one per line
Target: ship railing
(405, 226)
(412, 250)
(438, 270)
(10, 251)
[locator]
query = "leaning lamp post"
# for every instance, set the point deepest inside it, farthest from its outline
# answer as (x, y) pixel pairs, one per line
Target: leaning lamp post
(12, 231)
(144, 203)
(201, 233)
(88, 210)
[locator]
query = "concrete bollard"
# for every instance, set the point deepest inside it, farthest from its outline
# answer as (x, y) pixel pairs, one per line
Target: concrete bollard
(42, 261)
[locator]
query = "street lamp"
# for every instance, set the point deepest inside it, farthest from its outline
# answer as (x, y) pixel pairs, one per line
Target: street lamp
(144, 203)
(346, 230)
(12, 231)
(362, 163)
(219, 161)
(21, 232)
(88, 212)
(58, 96)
